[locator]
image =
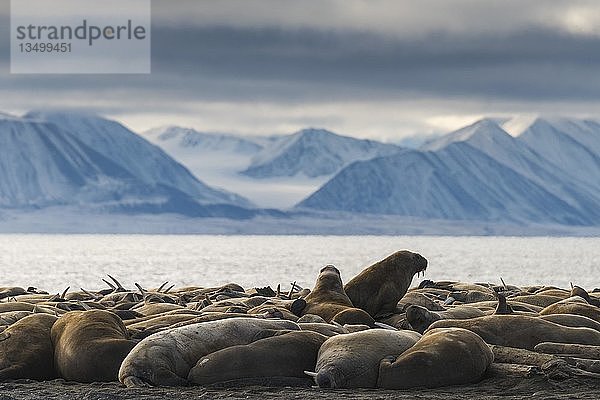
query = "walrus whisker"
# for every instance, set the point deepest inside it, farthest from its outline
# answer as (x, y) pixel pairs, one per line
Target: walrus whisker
(109, 284)
(162, 286)
(385, 326)
(119, 286)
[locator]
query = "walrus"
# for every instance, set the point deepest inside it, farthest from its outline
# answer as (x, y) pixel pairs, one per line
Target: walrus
(573, 305)
(165, 358)
(352, 360)
(378, 288)
(442, 357)
(285, 355)
(520, 331)
(89, 346)
(421, 318)
(26, 350)
(353, 316)
(328, 297)
(572, 320)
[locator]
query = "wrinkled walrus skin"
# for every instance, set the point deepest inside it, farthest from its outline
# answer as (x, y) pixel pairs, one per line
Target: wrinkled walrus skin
(89, 346)
(26, 350)
(442, 357)
(285, 355)
(327, 297)
(352, 360)
(166, 358)
(521, 331)
(378, 288)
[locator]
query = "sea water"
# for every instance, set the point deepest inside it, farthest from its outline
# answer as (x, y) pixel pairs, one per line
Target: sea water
(54, 262)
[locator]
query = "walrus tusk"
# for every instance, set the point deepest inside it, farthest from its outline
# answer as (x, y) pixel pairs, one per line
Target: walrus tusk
(289, 295)
(279, 290)
(85, 306)
(571, 283)
(385, 326)
(119, 286)
(64, 293)
(449, 300)
(503, 284)
(92, 295)
(311, 374)
(162, 286)
(109, 284)
(169, 289)
(336, 324)
(140, 288)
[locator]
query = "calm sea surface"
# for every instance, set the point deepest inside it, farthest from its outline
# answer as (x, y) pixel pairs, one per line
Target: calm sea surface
(53, 262)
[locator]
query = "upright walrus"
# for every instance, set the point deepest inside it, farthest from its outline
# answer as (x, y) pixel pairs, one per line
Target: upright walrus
(442, 357)
(89, 346)
(166, 358)
(327, 297)
(26, 350)
(285, 355)
(378, 288)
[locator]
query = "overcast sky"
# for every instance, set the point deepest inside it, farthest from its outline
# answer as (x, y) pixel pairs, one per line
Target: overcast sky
(368, 68)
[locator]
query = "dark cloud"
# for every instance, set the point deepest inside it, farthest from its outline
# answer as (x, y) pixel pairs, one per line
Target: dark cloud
(259, 60)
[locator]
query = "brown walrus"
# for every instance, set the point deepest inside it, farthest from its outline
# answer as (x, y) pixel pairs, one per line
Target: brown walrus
(442, 357)
(287, 354)
(521, 331)
(328, 297)
(26, 350)
(89, 346)
(378, 288)
(421, 318)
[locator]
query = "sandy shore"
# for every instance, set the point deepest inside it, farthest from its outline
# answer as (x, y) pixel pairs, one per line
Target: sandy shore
(537, 387)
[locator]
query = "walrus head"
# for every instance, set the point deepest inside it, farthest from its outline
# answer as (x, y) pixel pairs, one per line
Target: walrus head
(420, 318)
(330, 267)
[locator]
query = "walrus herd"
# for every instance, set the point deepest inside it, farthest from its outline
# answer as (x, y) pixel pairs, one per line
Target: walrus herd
(373, 332)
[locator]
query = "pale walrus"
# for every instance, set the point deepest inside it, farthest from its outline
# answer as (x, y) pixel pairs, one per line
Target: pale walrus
(521, 331)
(165, 358)
(328, 297)
(442, 357)
(26, 350)
(352, 360)
(378, 288)
(283, 356)
(89, 346)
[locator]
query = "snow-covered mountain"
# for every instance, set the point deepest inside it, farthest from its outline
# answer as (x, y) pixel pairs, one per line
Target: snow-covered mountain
(273, 171)
(146, 162)
(479, 172)
(43, 164)
(174, 137)
(571, 145)
(313, 153)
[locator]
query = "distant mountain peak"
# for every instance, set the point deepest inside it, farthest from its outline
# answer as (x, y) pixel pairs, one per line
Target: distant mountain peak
(485, 129)
(313, 153)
